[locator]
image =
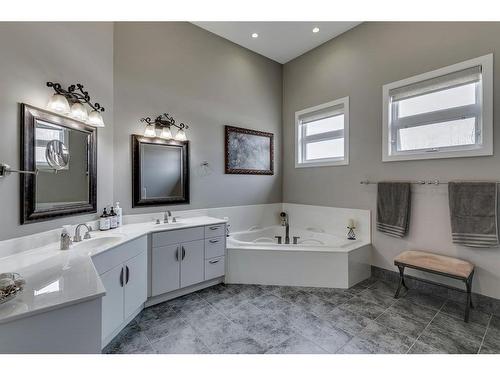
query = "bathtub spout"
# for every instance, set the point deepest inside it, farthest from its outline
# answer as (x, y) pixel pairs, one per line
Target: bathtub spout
(284, 222)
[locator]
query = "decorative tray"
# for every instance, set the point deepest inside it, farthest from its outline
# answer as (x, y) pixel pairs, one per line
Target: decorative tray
(11, 284)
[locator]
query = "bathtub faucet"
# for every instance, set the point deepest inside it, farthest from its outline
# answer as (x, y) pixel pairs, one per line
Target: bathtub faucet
(284, 222)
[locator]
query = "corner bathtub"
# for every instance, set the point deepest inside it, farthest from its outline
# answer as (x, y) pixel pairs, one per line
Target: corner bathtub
(318, 259)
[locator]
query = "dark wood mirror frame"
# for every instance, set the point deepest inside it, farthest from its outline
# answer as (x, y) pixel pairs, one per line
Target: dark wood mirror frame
(29, 214)
(137, 201)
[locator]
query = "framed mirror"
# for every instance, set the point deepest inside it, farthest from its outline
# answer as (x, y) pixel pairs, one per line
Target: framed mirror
(64, 153)
(160, 171)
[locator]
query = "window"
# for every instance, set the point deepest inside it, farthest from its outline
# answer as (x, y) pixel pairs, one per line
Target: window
(441, 114)
(322, 135)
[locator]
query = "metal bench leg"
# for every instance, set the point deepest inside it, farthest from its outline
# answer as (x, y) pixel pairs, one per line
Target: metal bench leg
(468, 284)
(401, 281)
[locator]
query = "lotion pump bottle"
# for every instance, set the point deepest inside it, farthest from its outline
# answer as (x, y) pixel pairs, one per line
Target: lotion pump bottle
(118, 212)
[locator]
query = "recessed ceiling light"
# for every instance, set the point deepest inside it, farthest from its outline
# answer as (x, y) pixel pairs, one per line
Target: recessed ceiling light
(316, 30)
(255, 35)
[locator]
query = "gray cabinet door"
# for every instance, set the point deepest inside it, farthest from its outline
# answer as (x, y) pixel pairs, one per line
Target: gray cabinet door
(136, 283)
(165, 269)
(192, 262)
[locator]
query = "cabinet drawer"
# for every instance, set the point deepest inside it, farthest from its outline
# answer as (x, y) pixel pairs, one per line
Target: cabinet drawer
(109, 259)
(214, 267)
(215, 230)
(177, 236)
(215, 247)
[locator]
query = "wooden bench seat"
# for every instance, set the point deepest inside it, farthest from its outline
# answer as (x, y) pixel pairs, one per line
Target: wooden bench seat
(437, 264)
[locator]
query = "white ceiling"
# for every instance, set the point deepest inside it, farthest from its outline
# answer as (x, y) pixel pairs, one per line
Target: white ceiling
(280, 41)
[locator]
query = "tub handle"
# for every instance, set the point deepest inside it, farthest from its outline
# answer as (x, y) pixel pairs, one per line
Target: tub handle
(213, 241)
(279, 239)
(214, 261)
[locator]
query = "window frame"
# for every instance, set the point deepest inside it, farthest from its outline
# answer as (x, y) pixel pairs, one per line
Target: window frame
(300, 143)
(482, 111)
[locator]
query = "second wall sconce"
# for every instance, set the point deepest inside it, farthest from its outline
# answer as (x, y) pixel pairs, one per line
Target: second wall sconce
(71, 102)
(164, 124)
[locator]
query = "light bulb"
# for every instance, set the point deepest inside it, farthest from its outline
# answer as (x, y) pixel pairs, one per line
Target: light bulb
(58, 103)
(150, 131)
(255, 35)
(316, 30)
(95, 119)
(79, 112)
(166, 133)
(181, 135)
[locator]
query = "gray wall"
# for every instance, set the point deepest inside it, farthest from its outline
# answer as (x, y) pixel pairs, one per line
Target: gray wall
(357, 64)
(32, 54)
(206, 82)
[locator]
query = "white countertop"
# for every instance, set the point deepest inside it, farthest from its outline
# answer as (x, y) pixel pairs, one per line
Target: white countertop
(56, 278)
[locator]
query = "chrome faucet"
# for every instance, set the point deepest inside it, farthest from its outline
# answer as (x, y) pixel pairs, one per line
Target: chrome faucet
(78, 237)
(166, 215)
(284, 222)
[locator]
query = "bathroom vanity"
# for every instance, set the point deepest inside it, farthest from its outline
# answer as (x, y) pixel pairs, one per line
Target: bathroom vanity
(96, 288)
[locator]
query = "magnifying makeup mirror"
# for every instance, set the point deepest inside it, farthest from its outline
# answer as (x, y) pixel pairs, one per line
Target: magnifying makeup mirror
(57, 155)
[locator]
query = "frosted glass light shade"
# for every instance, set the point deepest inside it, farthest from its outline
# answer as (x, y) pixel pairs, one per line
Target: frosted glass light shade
(150, 131)
(166, 133)
(58, 103)
(79, 112)
(95, 119)
(181, 135)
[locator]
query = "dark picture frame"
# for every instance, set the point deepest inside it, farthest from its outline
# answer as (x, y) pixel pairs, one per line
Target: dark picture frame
(29, 214)
(137, 200)
(238, 146)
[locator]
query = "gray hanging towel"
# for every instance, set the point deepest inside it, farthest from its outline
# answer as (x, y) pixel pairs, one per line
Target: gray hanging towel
(393, 208)
(473, 213)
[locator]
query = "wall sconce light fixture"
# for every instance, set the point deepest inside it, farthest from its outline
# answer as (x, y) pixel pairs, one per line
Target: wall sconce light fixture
(71, 102)
(165, 123)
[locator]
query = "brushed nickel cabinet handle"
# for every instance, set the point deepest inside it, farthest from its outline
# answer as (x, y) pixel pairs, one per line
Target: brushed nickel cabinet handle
(127, 274)
(214, 228)
(214, 261)
(183, 253)
(177, 254)
(213, 241)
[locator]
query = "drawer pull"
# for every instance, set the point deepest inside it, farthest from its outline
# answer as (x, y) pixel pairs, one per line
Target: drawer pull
(214, 228)
(183, 253)
(213, 241)
(214, 261)
(177, 254)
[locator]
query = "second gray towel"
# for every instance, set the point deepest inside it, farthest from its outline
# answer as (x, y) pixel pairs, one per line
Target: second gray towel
(393, 208)
(473, 212)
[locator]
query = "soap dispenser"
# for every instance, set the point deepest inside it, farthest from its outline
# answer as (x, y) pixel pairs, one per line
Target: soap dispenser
(104, 222)
(113, 219)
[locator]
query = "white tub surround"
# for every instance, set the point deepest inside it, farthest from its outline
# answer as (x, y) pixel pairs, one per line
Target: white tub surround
(58, 279)
(322, 257)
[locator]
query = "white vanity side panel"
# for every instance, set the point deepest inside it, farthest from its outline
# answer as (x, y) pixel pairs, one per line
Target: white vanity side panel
(75, 329)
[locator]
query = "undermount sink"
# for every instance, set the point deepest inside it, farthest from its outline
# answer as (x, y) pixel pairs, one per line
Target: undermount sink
(94, 243)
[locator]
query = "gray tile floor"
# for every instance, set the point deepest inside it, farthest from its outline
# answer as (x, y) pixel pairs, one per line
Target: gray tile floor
(272, 319)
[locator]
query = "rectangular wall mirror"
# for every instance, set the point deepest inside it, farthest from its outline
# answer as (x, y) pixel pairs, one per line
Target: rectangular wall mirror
(160, 171)
(64, 152)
